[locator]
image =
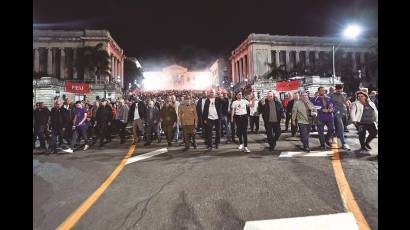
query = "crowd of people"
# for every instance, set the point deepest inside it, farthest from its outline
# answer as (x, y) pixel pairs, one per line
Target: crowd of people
(169, 113)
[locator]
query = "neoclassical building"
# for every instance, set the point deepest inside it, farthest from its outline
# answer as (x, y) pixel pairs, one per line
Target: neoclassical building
(252, 56)
(55, 53)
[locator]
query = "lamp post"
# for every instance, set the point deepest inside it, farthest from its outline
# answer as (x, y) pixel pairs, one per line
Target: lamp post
(351, 32)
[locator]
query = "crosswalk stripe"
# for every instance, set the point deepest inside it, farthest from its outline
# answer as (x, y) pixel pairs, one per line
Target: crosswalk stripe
(146, 155)
(339, 221)
(304, 154)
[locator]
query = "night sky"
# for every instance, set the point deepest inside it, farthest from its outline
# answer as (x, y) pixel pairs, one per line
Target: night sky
(194, 33)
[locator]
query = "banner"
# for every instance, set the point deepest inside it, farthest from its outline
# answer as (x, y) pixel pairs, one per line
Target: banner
(287, 85)
(74, 87)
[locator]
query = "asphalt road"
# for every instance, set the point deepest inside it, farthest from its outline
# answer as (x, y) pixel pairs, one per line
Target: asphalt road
(197, 189)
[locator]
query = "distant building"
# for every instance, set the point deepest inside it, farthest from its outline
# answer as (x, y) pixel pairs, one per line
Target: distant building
(221, 72)
(55, 53)
(176, 77)
(251, 58)
(54, 59)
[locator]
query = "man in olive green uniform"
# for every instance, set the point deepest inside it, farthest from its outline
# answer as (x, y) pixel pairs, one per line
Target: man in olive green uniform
(169, 119)
(189, 120)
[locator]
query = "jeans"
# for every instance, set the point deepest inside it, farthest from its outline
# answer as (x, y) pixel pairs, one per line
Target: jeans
(79, 130)
(56, 133)
(304, 130)
(339, 127)
(273, 128)
(121, 129)
(103, 131)
(137, 129)
(209, 126)
(39, 132)
(254, 121)
(153, 128)
(321, 131)
(288, 117)
(232, 124)
(176, 132)
(227, 126)
(362, 128)
(242, 126)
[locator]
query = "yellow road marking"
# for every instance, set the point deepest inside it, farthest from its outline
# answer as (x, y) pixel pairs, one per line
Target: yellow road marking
(77, 214)
(348, 199)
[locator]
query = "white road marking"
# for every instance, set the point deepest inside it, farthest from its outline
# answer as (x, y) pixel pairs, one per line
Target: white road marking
(146, 155)
(339, 221)
(304, 154)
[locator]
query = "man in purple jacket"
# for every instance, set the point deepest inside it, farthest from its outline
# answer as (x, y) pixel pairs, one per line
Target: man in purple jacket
(324, 106)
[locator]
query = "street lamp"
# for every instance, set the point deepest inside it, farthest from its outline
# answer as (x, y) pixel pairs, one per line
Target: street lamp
(351, 32)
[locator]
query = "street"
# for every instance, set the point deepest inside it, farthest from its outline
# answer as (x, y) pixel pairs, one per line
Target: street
(197, 189)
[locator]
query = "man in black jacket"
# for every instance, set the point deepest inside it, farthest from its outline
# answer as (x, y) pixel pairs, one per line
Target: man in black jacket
(136, 116)
(289, 107)
(272, 114)
(103, 121)
(212, 118)
(58, 123)
(41, 116)
(199, 111)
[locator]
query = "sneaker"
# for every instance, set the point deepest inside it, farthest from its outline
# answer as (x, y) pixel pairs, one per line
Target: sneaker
(306, 150)
(368, 146)
(86, 147)
(216, 146)
(328, 144)
(323, 147)
(209, 149)
(271, 148)
(364, 149)
(240, 147)
(69, 150)
(247, 150)
(345, 147)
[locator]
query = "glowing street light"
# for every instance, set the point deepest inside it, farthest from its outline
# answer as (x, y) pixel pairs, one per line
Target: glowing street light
(352, 31)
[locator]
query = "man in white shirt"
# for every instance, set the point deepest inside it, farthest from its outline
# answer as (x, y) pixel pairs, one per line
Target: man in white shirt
(176, 103)
(212, 118)
(240, 113)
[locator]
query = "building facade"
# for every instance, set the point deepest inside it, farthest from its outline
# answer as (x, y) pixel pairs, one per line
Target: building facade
(176, 77)
(221, 72)
(253, 57)
(55, 53)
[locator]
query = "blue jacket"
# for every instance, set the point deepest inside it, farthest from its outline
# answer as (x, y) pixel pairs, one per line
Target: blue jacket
(318, 103)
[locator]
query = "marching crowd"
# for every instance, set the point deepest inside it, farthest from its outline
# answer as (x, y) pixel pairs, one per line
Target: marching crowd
(173, 112)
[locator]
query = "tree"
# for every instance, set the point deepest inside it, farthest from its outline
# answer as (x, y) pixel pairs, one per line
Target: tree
(94, 60)
(132, 72)
(277, 73)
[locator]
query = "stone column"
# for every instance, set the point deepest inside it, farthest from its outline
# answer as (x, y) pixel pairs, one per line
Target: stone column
(307, 61)
(297, 56)
(62, 63)
(122, 72)
(362, 59)
(49, 61)
(74, 63)
(277, 58)
(287, 60)
(354, 61)
(36, 60)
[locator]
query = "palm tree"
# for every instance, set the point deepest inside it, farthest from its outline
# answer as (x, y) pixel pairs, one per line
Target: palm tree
(277, 73)
(94, 60)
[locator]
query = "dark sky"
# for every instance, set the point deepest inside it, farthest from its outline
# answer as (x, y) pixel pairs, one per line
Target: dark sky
(194, 33)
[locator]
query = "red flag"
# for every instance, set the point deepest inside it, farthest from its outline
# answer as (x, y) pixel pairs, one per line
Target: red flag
(287, 85)
(74, 87)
